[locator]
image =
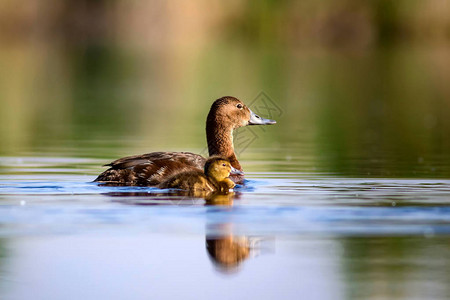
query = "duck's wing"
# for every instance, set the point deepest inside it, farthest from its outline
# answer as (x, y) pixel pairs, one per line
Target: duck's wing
(131, 161)
(150, 169)
(187, 158)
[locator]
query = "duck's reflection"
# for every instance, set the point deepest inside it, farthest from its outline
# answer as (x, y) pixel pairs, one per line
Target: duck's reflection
(226, 250)
(177, 197)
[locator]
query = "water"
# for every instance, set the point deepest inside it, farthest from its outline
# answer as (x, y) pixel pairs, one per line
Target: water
(283, 234)
(347, 196)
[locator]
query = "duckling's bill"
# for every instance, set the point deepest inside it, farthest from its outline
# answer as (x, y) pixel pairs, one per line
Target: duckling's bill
(235, 171)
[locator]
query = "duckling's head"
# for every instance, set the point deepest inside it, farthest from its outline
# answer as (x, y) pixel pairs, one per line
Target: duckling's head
(218, 168)
(233, 113)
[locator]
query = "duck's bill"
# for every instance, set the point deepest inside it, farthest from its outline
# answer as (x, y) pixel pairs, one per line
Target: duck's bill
(257, 120)
(235, 171)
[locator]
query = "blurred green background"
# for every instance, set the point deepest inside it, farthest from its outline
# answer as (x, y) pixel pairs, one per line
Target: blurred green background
(363, 86)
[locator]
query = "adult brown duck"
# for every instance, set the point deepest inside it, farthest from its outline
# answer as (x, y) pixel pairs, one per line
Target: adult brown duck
(225, 115)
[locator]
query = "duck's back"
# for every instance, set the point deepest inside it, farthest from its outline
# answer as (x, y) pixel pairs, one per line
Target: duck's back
(189, 181)
(151, 168)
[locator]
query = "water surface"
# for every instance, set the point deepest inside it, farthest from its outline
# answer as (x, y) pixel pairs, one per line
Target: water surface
(283, 234)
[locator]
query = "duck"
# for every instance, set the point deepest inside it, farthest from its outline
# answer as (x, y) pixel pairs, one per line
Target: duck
(214, 178)
(225, 115)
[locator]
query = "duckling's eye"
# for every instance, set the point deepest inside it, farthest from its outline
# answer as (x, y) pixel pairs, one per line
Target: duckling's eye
(224, 165)
(239, 106)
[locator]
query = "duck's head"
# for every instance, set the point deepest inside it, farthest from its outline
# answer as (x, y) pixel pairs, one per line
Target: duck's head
(233, 113)
(219, 168)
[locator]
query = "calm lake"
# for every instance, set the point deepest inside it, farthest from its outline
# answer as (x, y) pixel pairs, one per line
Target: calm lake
(283, 234)
(346, 197)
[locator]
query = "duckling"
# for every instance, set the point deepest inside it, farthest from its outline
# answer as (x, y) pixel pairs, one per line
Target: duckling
(229, 251)
(226, 114)
(214, 179)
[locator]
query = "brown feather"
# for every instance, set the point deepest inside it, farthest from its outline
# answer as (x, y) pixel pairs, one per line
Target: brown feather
(150, 169)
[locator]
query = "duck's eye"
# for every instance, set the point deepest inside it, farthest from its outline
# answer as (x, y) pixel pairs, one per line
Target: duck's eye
(239, 106)
(224, 165)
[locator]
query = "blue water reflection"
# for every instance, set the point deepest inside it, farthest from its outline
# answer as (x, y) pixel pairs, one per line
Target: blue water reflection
(341, 237)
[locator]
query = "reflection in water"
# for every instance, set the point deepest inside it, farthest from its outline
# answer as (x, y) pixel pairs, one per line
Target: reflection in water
(397, 267)
(155, 196)
(341, 238)
(226, 250)
(3, 258)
